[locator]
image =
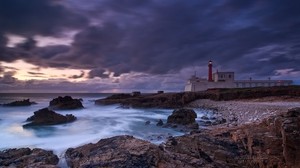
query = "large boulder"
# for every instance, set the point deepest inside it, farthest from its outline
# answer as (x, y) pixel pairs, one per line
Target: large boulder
(48, 117)
(183, 117)
(25, 157)
(65, 103)
(127, 152)
(25, 102)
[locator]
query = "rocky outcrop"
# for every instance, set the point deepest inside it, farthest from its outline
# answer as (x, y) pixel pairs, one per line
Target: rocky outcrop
(25, 102)
(27, 158)
(275, 142)
(65, 103)
(126, 152)
(183, 117)
(48, 117)
(163, 100)
(178, 100)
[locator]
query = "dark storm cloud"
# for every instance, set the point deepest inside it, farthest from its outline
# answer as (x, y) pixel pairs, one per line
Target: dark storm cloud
(81, 75)
(33, 17)
(8, 78)
(166, 36)
(161, 37)
(35, 73)
(98, 73)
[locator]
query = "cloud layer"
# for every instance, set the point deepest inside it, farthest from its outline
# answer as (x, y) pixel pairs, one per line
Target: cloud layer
(252, 38)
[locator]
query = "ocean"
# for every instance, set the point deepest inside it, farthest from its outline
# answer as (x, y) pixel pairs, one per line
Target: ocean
(93, 123)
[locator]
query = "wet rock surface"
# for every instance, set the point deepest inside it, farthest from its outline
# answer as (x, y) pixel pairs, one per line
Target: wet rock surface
(48, 117)
(128, 152)
(65, 103)
(183, 117)
(160, 123)
(25, 102)
(26, 158)
(274, 142)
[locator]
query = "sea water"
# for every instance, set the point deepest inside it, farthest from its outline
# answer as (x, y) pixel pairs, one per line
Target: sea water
(94, 122)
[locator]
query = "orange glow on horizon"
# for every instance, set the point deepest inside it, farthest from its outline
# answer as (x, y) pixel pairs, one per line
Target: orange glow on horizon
(26, 71)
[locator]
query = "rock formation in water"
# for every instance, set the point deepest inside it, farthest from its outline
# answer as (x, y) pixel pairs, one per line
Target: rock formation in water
(183, 117)
(27, 158)
(25, 102)
(65, 103)
(48, 117)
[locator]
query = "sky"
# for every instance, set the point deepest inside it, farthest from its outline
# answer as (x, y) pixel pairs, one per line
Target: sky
(149, 45)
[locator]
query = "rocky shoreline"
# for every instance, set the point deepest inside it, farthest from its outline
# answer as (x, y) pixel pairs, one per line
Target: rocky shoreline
(257, 132)
(239, 112)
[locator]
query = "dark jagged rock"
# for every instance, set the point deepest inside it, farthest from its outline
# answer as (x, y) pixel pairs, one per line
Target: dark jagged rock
(147, 122)
(275, 142)
(126, 152)
(182, 117)
(47, 117)
(25, 157)
(65, 103)
(160, 123)
(25, 102)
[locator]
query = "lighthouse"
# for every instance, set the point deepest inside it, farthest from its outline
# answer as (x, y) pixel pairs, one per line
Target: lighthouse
(210, 71)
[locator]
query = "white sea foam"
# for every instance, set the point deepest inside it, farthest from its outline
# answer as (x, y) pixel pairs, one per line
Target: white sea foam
(93, 123)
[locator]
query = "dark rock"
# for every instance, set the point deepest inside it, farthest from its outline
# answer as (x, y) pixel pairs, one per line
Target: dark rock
(205, 123)
(65, 103)
(119, 96)
(182, 117)
(179, 100)
(275, 142)
(25, 157)
(25, 102)
(160, 123)
(204, 118)
(219, 121)
(127, 152)
(147, 123)
(47, 117)
(136, 93)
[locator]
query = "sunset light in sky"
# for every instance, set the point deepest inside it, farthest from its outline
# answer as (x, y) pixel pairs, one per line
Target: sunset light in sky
(26, 71)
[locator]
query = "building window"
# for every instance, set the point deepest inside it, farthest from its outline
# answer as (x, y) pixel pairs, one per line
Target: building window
(229, 76)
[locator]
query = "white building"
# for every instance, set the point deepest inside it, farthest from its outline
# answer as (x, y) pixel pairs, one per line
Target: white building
(226, 80)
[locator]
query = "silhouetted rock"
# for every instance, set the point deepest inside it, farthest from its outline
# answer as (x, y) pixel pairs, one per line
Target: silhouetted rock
(147, 123)
(25, 102)
(47, 117)
(160, 123)
(126, 152)
(25, 157)
(65, 103)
